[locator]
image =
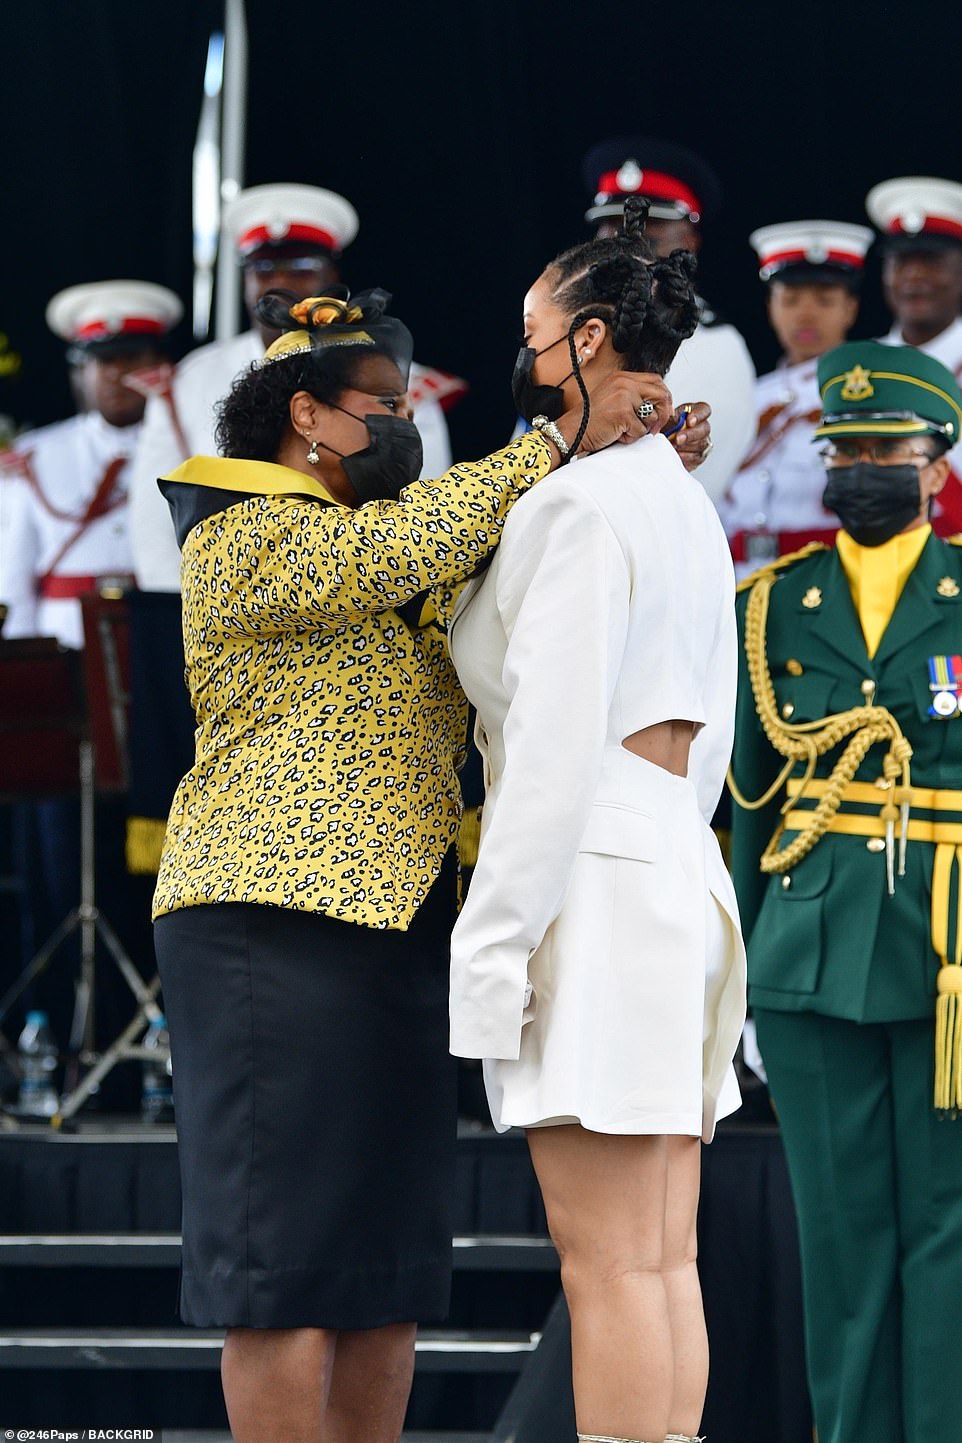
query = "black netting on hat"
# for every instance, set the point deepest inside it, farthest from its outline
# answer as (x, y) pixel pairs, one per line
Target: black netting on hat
(333, 321)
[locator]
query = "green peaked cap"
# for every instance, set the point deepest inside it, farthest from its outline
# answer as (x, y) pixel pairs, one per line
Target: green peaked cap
(871, 389)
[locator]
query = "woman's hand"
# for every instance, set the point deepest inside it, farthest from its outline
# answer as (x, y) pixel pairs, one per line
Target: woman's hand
(693, 440)
(615, 407)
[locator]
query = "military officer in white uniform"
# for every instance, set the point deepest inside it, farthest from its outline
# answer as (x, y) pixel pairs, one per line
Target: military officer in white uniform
(63, 489)
(284, 236)
(714, 363)
(920, 217)
(812, 270)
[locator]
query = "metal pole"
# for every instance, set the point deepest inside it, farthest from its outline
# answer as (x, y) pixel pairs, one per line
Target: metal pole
(227, 312)
(206, 186)
(88, 905)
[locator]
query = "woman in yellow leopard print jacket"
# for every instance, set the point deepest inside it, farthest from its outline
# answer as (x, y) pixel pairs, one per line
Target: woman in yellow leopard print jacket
(308, 883)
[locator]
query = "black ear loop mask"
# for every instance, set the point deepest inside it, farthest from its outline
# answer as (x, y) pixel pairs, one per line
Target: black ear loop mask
(873, 503)
(531, 399)
(391, 461)
(548, 401)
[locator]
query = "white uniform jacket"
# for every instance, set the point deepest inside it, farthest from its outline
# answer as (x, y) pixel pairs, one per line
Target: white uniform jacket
(713, 365)
(947, 348)
(43, 502)
(778, 487)
(201, 380)
(607, 608)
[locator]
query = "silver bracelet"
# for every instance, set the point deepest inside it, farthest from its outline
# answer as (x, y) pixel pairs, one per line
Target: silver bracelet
(549, 429)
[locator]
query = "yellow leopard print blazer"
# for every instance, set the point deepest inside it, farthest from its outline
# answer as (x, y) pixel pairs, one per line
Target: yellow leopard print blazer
(330, 722)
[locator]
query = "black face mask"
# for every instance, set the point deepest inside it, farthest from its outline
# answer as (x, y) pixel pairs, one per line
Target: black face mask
(392, 460)
(530, 399)
(873, 503)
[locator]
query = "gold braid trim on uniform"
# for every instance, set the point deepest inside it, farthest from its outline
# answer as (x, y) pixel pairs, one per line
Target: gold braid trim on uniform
(948, 1006)
(865, 726)
(780, 562)
(946, 870)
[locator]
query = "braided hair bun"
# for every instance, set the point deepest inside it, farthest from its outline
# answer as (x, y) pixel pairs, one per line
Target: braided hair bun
(648, 302)
(676, 314)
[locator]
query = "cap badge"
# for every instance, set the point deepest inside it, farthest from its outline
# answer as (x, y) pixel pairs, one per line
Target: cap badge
(812, 598)
(912, 221)
(947, 586)
(630, 176)
(858, 385)
(277, 227)
(817, 253)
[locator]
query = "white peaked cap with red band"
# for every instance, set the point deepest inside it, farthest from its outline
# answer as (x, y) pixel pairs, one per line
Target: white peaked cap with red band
(915, 205)
(103, 310)
(811, 243)
(284, 214)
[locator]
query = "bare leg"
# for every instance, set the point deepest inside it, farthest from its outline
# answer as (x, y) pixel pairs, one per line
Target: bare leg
(688, 1336)
(605, 1197)
(370, 1385)
(276, 1382)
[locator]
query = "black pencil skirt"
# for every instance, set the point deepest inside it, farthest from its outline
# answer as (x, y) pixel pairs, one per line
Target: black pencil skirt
(316, 1114)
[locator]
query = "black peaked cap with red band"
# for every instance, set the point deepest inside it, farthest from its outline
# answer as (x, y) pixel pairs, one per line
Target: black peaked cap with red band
(679, 184)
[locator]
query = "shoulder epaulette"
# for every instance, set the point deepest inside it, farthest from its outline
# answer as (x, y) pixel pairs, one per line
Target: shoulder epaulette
(955, 540)
(781, 562)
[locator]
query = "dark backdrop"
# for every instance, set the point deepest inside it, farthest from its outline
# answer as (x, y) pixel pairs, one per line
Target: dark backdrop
(457, 131)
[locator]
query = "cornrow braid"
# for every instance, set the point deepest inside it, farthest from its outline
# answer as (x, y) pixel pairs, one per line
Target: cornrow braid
(632, 309)
(635, 217)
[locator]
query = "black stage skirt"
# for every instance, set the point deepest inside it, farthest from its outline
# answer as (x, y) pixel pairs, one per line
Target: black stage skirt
(316, 1114)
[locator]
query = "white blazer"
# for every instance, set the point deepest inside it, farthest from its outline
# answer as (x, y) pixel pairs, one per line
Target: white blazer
(608, 607)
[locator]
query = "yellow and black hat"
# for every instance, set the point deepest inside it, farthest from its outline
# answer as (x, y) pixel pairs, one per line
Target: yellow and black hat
(319, 325)
(871, 389)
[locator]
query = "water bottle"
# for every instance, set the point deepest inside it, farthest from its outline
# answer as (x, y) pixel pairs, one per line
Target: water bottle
(37, 1052)
(157, 1096)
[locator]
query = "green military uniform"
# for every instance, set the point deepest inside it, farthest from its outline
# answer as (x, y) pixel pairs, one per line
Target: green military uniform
(845, 947)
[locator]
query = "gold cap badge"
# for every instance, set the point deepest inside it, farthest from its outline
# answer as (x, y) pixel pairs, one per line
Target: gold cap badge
(858, 385)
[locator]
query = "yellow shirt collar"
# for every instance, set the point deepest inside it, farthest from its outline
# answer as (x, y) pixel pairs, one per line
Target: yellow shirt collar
(877, 576)
(260, 478)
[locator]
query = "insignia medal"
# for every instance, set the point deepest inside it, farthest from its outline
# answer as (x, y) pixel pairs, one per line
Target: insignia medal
(857, 385)
(945, 682)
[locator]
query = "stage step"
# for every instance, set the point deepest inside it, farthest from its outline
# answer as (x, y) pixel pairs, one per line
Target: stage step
(438, 1350)
(505, 1252)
